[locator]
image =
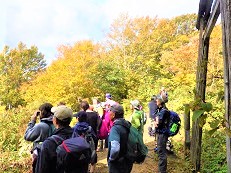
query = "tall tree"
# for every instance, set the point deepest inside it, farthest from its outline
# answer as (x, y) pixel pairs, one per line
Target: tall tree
(17, 66)
(67, 78)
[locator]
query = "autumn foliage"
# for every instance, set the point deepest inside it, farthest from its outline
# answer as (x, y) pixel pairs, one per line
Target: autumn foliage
(137, 58)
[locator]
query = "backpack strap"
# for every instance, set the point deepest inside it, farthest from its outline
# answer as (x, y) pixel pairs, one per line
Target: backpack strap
(57, 139)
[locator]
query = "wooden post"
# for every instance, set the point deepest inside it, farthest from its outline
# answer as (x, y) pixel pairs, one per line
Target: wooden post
(187, 131)
(200, 94)
(226, 40)
(202, 63)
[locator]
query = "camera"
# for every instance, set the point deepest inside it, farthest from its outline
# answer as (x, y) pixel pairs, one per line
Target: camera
(38, 113)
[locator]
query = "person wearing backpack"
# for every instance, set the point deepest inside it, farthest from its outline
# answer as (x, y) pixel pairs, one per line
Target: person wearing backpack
(47, 161)
(138, 117)
(37, 133)
(161, 124)
(82, 128)
(117, 142)
(94, 121)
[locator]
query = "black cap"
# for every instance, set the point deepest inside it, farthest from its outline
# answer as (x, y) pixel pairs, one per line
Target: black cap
(80, 114)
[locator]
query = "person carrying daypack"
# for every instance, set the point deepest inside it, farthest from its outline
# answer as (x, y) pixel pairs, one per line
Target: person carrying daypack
(94, 121)
(117, 142)
(138, 118)
(37, 133)
(75, 154)
(82, 128)
(161, 124)
(126, 145)
(47, 162)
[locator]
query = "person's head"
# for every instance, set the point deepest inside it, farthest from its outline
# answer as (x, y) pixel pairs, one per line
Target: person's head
(108, 96)
(162, 89)
(81, 116)
(61, 103)
(116, 111)
(109, 102)
(160, 101)
(62, 116)
(153, 98)
(103, 105)
(135, 104)
(45, 110)
(95, 101)
(84, 105)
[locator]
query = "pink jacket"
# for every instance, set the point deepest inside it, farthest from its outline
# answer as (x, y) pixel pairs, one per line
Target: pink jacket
(105, 126)
(108, 121)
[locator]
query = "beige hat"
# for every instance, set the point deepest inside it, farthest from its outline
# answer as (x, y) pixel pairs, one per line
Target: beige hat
(135, 103)
(62, 112)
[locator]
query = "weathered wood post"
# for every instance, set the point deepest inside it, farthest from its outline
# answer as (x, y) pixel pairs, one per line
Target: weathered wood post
(200, 94)
(187, 131)
(206, 28)
(226, 40)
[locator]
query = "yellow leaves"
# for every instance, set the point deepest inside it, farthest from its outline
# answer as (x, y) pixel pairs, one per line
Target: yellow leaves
(67, 78)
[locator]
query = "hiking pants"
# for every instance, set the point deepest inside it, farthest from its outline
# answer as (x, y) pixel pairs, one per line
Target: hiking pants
(162, 152)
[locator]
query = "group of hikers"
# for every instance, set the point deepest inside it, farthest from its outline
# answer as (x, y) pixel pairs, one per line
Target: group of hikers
(60, 148)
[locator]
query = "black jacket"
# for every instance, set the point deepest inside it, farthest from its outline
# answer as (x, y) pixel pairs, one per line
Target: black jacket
(47, 158)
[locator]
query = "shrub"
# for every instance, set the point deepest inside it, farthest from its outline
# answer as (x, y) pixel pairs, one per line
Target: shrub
(213, 156)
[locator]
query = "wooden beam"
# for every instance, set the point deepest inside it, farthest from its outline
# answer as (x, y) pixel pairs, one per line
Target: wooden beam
(212, 19)
(204, 11)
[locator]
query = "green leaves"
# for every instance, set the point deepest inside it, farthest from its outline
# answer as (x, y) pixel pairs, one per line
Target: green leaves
(207, 107)
(197, 114)
(200, 108)
(17, 66)
(214, 124)
(200, 111)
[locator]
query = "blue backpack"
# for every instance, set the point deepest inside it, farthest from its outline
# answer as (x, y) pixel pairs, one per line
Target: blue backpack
(174, 124)
(77, 151)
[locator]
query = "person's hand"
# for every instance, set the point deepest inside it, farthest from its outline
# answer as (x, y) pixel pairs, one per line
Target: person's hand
(155, 123)
(35, 115)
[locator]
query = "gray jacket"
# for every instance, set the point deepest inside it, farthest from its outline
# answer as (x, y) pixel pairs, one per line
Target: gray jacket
(37, 133)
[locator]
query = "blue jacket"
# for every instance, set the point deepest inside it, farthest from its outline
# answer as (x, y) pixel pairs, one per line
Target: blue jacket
(47, 159)
(164, 117)
(152, 108)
